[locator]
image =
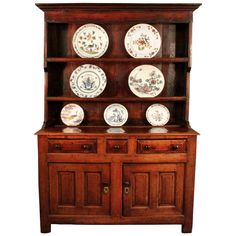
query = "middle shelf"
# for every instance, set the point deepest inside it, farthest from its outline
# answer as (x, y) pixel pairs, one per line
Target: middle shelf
(119, 59)
(116, 99)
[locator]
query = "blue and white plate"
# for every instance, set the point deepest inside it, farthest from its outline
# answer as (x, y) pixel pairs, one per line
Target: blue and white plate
(88, 81)
(115, 115)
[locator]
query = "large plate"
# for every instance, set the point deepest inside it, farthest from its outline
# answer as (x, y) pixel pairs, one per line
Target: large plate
(88, 81)
(115, 114)
(146, 81)
(157, 115)
(142, 41)
(72, 114)
(90, 40)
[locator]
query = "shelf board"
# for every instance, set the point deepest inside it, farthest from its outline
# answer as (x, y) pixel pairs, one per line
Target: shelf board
(120, 59)
(116, 99)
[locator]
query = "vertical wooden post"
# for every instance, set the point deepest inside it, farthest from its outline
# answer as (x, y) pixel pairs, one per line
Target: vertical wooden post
(189, 185)
(43, 185)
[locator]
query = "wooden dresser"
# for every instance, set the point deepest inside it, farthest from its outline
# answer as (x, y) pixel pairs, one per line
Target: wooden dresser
(134, 174)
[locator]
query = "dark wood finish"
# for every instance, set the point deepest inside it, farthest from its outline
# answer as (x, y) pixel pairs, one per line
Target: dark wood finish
(79, 189)
(74, 146)
(153, 189)
(120, 60)
(159, 146)
(92, 175)
(117, 145)
(112, 99)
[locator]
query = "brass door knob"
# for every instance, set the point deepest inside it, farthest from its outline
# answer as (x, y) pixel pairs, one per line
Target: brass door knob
(126, 190)
(106, 189)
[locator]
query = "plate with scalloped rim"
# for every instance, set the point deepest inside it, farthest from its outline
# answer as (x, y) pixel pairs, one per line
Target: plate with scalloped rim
(72, 114)
(90, 41)
(157, 115)
(142, 41)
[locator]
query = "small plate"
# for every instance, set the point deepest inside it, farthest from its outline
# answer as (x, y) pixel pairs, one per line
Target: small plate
(142, 41)
(72, 114)
(90, 41)
(115, 114)
(157, 115)
(146, 81)
(88, 81)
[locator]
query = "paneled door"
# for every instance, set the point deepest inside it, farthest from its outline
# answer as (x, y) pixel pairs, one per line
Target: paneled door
(152, 189)
(79, 189)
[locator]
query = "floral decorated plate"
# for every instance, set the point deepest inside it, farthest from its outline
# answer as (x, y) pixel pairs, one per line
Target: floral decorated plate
(90, 40)
(146, 81)
(72, 114)
(157, 115)
(88, 81)
(115, 114)
(142, 41)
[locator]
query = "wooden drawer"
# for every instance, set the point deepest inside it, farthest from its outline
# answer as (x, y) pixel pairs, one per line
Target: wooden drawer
(73, 146)
(161, 146)
(117, 145)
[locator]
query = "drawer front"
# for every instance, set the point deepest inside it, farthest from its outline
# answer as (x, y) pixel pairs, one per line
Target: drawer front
(73, 146)
(117, 146)
(161, 146)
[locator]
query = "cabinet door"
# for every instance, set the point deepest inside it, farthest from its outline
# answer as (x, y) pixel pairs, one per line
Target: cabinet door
(81, 189)
(152, 189)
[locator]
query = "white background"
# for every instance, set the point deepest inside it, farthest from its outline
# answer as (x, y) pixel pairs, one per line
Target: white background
(212, 113)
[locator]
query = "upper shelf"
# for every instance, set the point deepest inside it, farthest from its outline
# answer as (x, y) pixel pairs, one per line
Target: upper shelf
(120, 59)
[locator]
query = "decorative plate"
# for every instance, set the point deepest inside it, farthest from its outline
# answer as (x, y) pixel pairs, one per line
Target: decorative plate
(88, 81)
(157, 115)
(72, 114)
(90, 40)
(146, 81)
(115, 114)
(142, 41)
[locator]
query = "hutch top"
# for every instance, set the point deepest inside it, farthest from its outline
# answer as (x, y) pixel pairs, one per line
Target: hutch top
(174, 23)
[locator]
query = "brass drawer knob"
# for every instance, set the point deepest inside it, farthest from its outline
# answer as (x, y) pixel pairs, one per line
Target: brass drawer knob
(147, 147)
(175, 147)
(117, 147)
(86, 147)
(57, 146)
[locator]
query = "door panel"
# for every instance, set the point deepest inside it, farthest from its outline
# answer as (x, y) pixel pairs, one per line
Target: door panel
(79, 189)
(151, 189)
